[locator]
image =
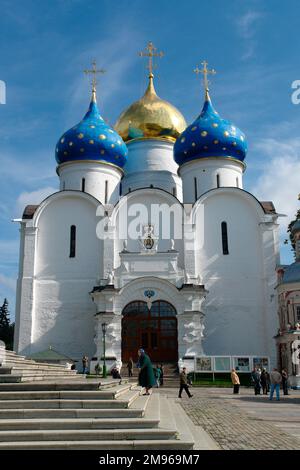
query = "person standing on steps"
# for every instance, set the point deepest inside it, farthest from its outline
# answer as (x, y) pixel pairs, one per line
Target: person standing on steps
(184, 383)
(146, 375)
(157, 375)
(235, 381)
(85, 364)
(130, 367)
(161, 375)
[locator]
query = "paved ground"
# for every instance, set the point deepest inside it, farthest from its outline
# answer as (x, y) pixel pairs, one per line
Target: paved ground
(244, 421)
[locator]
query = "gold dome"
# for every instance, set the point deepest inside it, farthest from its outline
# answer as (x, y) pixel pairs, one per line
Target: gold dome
(150, 117)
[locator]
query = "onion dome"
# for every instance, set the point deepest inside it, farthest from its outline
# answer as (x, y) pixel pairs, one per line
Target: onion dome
(92, 139)
(210, 136)
(150, 117)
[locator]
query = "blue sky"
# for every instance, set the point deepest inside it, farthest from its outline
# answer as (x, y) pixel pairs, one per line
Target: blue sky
(45, 45)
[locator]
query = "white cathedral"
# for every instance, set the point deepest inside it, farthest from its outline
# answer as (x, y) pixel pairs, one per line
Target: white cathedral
(152, 234)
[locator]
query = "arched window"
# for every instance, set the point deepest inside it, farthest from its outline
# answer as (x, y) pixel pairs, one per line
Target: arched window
(195, 188)
(218, 180)
(72, 241)
(106, 192)
(224, 238)
(120, 189)
(83, 185)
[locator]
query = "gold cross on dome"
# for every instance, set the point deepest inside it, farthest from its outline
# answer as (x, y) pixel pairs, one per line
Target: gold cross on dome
(205, 72)
(94, 72)
(151, 52)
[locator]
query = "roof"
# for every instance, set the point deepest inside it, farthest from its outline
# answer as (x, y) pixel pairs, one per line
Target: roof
(29, 212)
(291, 273)
(268, 207)
(50, 355)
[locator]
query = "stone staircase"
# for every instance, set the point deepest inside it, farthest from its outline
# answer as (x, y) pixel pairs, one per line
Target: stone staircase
(89, 415)
(171, 375)
(15, 368)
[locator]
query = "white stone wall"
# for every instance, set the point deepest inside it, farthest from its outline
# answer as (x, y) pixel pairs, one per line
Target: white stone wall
(61, 310)
(240, 313)
(151, 162)
(135, 204)
(205, 172)
(97, 177)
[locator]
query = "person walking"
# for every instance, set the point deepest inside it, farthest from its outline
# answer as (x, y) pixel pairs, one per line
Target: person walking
(255, 378)
(85, 364)
(235, 381)
(275, 379)
(184, 383)
(146, 375)
(285, 379)
(130, 367)
(265, 381)
(157, 376)
(161, 375)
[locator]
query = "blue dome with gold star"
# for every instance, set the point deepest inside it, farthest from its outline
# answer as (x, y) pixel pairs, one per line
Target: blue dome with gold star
(92, 139)
(210, 136)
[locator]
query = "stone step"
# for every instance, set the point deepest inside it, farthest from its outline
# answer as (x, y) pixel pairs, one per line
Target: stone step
(22, 359)
(69, 413)
(77, 423)
(86, 435)
(81, 384)
(36, 371)
(153, 444)
(66, 394)
(10, 378)
(124, 402)
(29, 364)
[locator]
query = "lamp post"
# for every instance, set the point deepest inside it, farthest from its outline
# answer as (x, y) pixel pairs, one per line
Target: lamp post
(104, 328)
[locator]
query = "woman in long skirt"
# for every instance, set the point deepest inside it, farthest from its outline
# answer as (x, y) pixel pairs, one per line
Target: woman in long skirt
(146, 375)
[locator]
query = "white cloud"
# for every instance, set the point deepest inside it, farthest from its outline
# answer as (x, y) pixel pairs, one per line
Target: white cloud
(279, 180)
(33, 197)
(246, 23)
(247, 27)
(8, 282)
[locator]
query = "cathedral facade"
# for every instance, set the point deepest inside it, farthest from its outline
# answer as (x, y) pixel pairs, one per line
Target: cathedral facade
(152, 235)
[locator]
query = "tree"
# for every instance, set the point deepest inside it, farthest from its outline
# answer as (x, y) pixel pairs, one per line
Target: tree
(6, 328)
(289, 230)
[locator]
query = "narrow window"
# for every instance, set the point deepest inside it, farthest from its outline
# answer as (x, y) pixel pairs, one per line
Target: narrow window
(120, 189)
(298, 315)
(175, 191)
(151, 185)
(218, 181)
(72, 241)
(237, 183)
(106, 192)
(195, 189)
(224, 238)
(83, 185)
(129, 190)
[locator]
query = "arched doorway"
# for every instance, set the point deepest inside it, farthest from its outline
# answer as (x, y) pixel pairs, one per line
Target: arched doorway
(154, 330)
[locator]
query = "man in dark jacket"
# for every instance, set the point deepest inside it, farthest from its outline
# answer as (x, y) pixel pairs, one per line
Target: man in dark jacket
(184, 383)
(255, 379)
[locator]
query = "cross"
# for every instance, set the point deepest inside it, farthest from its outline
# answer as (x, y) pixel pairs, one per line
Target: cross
(151, 53)
(94, 72)
(205, 72)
